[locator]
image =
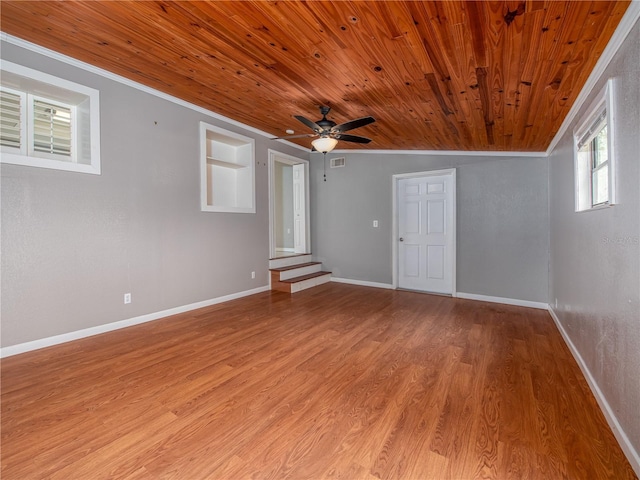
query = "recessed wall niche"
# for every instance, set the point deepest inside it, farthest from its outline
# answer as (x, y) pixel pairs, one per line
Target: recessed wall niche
(227, 171)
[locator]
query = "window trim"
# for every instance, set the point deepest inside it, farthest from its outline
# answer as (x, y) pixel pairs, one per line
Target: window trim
(583, 134)
(33, 83)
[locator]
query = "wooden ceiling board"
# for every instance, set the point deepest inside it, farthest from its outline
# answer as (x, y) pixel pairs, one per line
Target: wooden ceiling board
(570, 67)
(437, 75)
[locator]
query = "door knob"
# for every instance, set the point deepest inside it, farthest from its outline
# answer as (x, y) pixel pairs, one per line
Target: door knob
(401, 239)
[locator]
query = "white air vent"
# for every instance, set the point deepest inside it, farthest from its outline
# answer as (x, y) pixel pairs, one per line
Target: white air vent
(337, 162)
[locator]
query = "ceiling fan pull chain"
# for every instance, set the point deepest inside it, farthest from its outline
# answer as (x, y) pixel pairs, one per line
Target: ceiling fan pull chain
(325, 166)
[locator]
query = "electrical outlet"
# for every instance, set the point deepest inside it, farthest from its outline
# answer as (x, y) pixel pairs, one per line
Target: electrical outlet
(253, 274)
(127, 298)
(375, 224)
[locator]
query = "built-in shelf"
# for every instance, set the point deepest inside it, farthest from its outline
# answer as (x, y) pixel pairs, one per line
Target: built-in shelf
(227, 169)
(221, 163)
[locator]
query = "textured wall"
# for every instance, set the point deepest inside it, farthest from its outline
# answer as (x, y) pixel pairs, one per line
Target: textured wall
(595, 255)
(73, 244)
(502, 220)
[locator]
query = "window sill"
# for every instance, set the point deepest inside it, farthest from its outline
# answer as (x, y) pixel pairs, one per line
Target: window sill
(596, 207)
(28, 161)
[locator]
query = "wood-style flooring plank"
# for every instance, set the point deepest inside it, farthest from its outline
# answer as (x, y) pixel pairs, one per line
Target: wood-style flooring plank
(337, 382)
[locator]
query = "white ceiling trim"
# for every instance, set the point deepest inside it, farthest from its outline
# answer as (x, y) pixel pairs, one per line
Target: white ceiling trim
(624, 27)
(468, 153)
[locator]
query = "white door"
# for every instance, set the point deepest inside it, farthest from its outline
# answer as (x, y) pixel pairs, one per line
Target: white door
(426, 233)
(299, 209)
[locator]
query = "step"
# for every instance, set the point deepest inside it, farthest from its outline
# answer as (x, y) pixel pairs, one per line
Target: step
(280, 262)
(291, 271)
(303, 282)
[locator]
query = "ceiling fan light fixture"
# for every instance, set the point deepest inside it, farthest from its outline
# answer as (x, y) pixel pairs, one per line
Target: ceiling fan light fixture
(324, 144)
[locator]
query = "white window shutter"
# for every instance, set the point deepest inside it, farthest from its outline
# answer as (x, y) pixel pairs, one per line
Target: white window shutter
(51, 128)
(11, 119)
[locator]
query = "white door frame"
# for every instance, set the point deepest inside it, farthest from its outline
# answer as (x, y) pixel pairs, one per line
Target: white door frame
(274, 156)
(394, 230)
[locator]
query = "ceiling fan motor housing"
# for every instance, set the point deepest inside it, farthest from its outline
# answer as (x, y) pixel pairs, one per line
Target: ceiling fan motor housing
(325, 123)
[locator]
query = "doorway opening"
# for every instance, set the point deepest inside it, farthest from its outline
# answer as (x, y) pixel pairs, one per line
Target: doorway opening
(424, 231)
(288, 205)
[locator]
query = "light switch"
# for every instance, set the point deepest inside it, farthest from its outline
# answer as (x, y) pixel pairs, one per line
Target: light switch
(375, 224)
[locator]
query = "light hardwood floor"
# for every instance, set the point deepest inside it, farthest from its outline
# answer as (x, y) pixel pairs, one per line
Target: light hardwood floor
(341, 382)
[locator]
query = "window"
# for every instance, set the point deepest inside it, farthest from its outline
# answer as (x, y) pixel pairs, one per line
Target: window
(12, 121)
(594, 154)
(52, 124)
(48, 122)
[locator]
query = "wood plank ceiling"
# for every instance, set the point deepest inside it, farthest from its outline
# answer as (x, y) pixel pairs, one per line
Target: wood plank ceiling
(436, 75)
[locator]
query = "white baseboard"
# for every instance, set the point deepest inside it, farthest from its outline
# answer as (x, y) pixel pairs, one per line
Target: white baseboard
(363, 283)
(88, 332)
(621, 436)
(506, 301)
(469, 296)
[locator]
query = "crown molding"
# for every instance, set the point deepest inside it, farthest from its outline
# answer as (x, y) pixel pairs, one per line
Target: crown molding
(468, 153)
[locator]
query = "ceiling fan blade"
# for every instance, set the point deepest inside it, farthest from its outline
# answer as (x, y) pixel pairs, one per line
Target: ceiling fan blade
(351, 138)
(303, 135)
(357, 123)
(312, 125)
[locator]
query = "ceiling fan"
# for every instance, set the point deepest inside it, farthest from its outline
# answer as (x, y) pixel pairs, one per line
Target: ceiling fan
(328, 132)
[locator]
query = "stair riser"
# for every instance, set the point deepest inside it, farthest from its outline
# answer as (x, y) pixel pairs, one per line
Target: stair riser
(296, 286)
(287, 261)
(312, 282)
(298, 272)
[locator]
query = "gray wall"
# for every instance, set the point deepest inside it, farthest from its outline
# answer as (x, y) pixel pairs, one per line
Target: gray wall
(73, 244)
(595, 255)
(502, 219)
